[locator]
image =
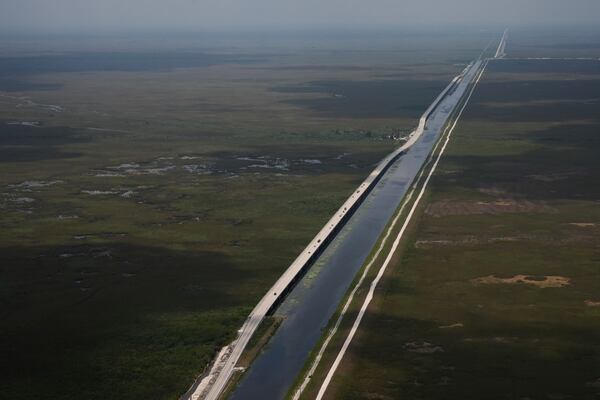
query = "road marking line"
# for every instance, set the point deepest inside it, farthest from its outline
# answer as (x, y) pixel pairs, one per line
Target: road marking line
(383, 243)
(219, 374)
(390, 255)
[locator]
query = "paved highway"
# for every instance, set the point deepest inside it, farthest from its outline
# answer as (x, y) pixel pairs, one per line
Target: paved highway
(214, 383)
(501, 51)
(476, 73)
(211, 386)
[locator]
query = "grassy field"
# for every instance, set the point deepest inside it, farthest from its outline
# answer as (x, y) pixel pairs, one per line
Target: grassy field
(152, 191)
(494, 294)
(570, 42)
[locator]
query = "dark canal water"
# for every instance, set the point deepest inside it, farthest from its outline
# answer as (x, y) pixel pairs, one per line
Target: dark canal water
(311, 304)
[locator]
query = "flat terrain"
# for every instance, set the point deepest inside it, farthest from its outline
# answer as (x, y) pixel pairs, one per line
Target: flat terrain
(560, 42)
(151, 191)
(495, 294)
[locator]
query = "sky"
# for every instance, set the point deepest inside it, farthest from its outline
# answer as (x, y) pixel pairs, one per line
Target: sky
(111, 15)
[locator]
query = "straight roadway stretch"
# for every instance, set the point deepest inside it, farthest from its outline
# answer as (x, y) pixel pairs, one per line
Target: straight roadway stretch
(212, 385)
(331, 372)
(500, 53)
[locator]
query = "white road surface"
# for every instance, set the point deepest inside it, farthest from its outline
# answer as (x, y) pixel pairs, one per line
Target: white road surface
(211, 386)
(501, 51)
(393, 249)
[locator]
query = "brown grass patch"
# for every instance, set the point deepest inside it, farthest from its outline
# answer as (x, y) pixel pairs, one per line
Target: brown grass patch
(555, 176)
(541, 282)
(498, 206)
(452, 326)
(469, 240)
(583, 224)
(423, 348)
(493, 191)
(495, 339)
(591, 303)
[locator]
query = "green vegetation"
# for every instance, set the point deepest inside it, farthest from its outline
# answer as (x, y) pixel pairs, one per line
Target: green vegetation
(495, 292)
(558, 42)
(147, 206)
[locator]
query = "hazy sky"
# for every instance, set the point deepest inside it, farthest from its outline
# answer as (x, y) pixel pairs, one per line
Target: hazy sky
(57, 15)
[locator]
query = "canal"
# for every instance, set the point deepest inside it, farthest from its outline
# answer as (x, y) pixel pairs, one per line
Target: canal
(311, 304)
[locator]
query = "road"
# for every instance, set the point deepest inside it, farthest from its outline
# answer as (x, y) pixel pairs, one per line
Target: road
(501, 51)
(214, 383)
(331, 372)
(211, 386)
